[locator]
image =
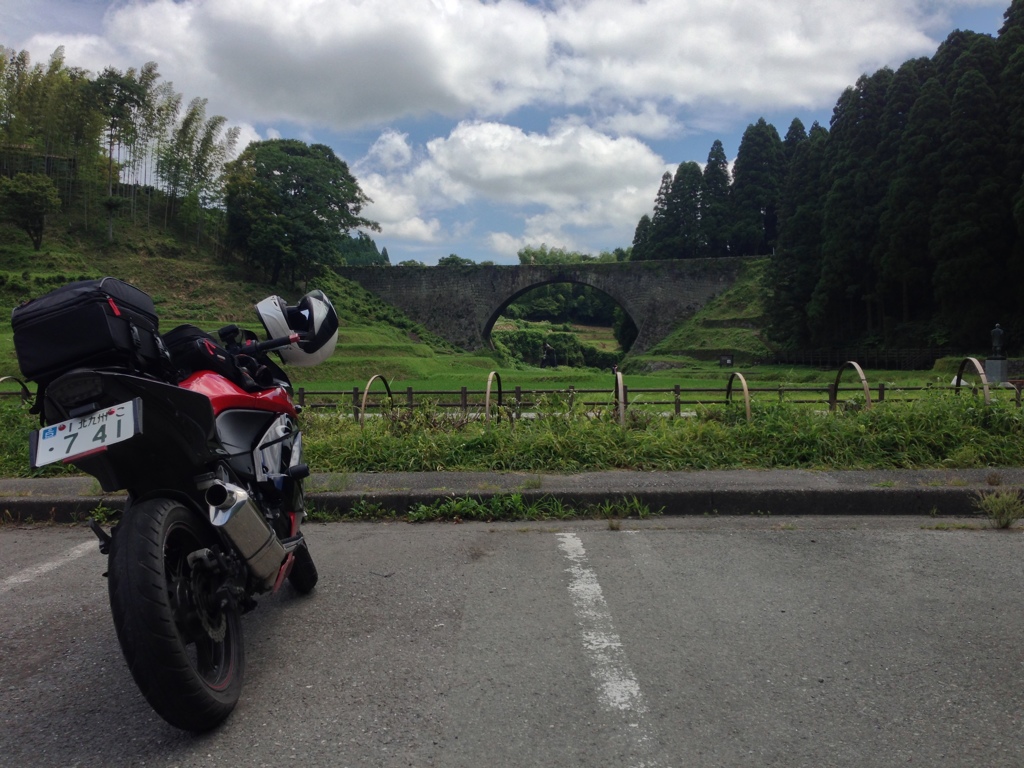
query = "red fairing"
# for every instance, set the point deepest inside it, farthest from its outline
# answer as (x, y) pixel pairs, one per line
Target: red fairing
(225, 394)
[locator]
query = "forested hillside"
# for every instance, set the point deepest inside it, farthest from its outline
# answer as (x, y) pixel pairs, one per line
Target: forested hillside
(901, 224)
(89, 153)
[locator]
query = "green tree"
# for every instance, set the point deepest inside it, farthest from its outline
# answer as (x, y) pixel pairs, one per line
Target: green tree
(714, 209)
(119, 97)
(641, 239)
(289, 203)
(684, 235)
(795, 265)
(905, 226)
(795, 136)
(1011, 99)
(542, 254)
(844, 304)
(26, 200)
(361, 251)
(192, 161)
(454, 260)
(972, 228)
(660, 222)
(757, 178)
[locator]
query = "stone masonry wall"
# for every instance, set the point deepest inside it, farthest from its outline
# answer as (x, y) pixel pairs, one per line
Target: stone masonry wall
(461, 304)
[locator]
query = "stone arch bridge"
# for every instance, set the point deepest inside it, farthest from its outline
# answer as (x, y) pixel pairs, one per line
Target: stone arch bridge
(462, 303)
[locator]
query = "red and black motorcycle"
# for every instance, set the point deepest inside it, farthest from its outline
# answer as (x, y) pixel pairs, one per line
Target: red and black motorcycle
(203, 435)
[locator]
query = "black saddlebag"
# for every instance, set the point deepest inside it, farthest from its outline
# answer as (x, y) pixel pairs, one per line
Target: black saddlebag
(89, 324)
(193, 350)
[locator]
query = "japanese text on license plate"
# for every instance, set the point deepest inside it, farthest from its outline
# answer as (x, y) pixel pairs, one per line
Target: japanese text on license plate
(86, 434)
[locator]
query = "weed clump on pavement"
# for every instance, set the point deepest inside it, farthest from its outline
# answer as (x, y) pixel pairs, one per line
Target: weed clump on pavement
(511, 506)
(1003, 508)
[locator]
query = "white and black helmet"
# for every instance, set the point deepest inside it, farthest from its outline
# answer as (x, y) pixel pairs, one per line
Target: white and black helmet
(314, 317)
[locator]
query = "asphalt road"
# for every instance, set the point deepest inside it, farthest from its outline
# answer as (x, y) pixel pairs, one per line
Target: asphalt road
(673, 642)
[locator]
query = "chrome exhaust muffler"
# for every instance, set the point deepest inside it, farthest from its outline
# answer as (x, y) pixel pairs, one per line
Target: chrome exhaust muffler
(233, 512)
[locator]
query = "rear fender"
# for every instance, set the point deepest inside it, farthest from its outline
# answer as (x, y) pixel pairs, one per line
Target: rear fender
(178, 435)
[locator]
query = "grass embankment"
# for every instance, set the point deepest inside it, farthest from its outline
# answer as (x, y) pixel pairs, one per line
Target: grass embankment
(942, 431)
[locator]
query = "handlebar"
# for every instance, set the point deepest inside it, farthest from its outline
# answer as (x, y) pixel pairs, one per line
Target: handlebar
(269, 345)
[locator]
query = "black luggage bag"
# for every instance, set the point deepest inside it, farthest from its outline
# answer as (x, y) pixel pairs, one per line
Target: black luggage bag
(89, 324)
(193, 350)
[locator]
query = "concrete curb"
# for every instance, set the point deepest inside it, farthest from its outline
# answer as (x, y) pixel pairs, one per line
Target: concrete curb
(720, 492)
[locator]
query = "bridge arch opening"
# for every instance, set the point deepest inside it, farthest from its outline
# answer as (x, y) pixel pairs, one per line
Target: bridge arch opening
(575, 322)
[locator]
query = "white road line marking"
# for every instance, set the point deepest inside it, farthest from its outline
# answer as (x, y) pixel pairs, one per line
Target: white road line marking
(28, 574)
(618, 687)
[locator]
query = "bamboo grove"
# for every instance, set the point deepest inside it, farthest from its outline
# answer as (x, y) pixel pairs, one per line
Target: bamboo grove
(901, 224)
(115, 144)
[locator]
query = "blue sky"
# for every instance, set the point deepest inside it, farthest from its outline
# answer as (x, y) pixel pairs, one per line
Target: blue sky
(481, 126)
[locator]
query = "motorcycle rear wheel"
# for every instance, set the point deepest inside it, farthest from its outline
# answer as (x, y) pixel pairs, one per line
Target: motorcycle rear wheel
(185, 653)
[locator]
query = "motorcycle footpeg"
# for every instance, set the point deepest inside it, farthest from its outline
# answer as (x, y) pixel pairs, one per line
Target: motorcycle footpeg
(104, 537)
(298, 471)
(208, 560)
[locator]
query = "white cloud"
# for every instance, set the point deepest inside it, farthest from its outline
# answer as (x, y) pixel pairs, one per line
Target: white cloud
(571, 178)
(246, 135)
(506, 164)
(397, 210)
(505, 244)
(647, 121)
(391, 150)
(350, 63)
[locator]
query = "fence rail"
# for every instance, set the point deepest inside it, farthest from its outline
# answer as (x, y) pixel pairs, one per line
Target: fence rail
(675, 400)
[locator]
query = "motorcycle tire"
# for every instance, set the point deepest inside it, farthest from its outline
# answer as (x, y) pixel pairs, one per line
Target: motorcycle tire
(185, 652)
(303, 575)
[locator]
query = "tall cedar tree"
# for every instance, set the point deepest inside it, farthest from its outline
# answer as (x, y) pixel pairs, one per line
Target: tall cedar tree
(892, 289)
(794, 266)
(906, 267)
(795, 136)
(660, 223)
(844, 300)
(641, 239)
(757, 179)
(714, 209)
(971, 223)
(683, 237)
(1011, 97)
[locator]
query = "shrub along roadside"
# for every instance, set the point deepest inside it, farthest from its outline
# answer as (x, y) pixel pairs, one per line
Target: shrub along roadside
(944, 431)
(941, 432)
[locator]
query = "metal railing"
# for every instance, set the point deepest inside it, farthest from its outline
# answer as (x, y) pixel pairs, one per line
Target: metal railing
(493, 401)
(675, 400)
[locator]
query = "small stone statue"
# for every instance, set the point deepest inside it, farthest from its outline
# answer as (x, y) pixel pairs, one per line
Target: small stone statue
(997, 342)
